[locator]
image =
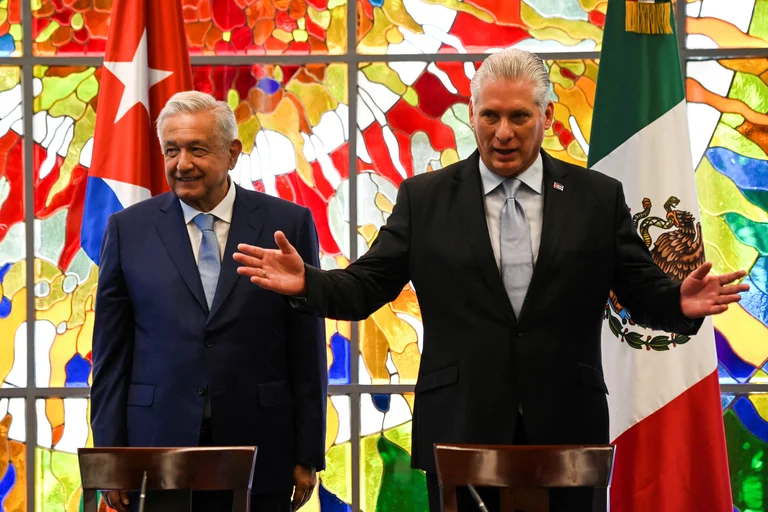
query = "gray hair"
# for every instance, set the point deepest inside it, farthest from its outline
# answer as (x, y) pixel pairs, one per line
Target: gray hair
(191, 102)
(514, 64)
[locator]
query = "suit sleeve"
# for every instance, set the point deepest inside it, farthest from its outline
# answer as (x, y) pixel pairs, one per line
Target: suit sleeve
(652, 298)
(375, 279)
(113, 339)
(309, 372)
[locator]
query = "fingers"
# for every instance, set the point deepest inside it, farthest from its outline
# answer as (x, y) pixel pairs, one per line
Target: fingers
(734, 288)
(117, 500)
(702, 271)
(249, 268)
(250, 256)
(307, 495)
(301, 495)
(298, 499)
(283, 244)
(728, 299)
(251, 250)
(717, 309)
(731, 276)
(124, 499)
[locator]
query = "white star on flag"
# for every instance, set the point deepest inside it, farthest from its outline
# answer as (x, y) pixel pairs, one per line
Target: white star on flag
(134, 77)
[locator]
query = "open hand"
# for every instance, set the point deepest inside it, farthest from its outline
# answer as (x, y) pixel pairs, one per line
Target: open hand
(703, 294)
(279, 270)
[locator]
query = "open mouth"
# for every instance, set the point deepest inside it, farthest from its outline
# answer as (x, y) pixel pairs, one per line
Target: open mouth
(185, 180)
(505, 152)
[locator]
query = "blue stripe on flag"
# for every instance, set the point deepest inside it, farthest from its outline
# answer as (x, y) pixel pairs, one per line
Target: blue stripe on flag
(100, 203)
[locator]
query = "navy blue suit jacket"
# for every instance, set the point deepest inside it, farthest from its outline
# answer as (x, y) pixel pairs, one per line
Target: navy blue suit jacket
(157, 349)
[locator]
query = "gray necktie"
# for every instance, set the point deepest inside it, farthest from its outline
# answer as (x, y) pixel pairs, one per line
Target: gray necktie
(516, 254)
(208, 259)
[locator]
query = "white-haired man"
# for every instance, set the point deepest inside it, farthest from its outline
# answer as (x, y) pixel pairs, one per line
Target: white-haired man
(185, 351)
(512, 254)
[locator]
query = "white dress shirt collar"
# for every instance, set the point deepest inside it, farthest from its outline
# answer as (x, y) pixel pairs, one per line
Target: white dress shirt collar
(222, 211)
(533, 176)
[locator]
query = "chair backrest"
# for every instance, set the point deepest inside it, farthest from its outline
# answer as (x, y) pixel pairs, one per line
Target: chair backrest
(525, 472)
(202, 469)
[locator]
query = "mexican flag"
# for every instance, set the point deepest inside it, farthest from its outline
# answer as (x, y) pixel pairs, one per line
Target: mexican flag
(665, 412)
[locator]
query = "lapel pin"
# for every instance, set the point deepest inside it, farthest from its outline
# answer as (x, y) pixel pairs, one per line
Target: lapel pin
(559, 186)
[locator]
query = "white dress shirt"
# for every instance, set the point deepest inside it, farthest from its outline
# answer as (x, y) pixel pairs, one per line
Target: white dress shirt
(530, 198)
(222, 219)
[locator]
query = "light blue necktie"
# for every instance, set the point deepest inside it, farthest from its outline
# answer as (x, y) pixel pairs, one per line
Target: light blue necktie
(516, 254)
(208, 261)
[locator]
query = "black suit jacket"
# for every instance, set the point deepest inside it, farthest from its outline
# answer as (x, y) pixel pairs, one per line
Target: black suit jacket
(480, 363)
(157, 349)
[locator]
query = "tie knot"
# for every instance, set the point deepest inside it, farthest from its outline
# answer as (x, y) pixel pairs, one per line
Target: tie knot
(204, 221)
(511, 186)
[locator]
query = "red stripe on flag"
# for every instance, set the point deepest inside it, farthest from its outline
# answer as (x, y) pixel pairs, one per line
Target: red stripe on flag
(675, 459)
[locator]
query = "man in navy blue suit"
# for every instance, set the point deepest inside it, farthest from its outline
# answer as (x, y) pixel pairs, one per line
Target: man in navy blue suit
(185, 351)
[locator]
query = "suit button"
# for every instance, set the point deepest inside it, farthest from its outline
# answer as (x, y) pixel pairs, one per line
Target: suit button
(201, 391)
(208, 343)
(519, 335)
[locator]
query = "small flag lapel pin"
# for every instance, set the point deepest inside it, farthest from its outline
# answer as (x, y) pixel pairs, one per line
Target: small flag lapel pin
(559, 186)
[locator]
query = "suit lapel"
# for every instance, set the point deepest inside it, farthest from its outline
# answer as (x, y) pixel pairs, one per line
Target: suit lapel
(471, 209)
(245, 227)
(173, 233)
(558, 206)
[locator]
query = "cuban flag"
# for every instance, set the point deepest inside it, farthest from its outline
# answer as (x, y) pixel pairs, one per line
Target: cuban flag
(146, 62)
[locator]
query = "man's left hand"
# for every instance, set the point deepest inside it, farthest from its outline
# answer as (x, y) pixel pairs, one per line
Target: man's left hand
(305, 480)
(703, 294)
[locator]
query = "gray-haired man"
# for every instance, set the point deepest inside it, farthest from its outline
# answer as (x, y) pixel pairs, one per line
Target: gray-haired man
(512, 254)
(185, 351)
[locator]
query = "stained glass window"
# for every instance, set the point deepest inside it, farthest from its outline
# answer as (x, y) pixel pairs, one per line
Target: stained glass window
(10, 28)
(293, 117)
(63, 426)
(334, 492)
(727, 104)
(727, 24)
(65, 279)
(220, 27)
(450, 26)
(746, 432)
(387, 481)
(413, 118)
(727, 101)
(13, 455)
(13, 292)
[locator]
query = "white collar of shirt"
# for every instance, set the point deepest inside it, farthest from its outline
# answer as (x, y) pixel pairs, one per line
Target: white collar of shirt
(532, 176)
(222, 211)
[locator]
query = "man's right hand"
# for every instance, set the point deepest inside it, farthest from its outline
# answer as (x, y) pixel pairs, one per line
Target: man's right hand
(279, 270)
(118, 500)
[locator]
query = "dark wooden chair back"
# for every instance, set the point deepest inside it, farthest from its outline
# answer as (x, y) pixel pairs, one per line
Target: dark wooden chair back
(525, 473)
(201, 469)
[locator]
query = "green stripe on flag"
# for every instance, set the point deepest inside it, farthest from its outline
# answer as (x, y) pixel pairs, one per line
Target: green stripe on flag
(639, 80)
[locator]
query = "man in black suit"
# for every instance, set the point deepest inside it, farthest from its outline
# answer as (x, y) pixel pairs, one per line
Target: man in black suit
(512, 254)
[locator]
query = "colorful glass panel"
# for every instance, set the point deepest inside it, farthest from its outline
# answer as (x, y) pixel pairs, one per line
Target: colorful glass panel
(13, 455)
(727, 24)
(387, 481)
(727, 101)
(13, 292)
(746, 431)
(214, 27)
(476, 26)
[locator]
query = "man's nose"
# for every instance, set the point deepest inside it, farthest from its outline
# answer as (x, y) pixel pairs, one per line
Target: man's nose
(504, 131)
